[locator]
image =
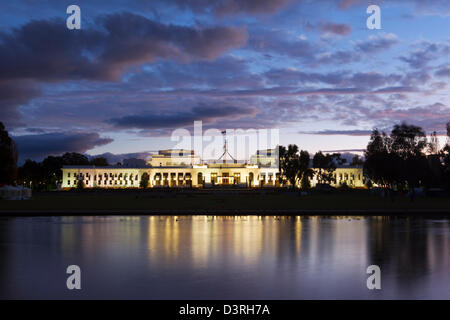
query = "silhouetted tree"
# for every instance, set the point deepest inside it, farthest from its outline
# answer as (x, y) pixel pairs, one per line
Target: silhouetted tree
(357, 161)
(47, 174)
(380, 165)
(75, 159)
(294, 164)
(99, 162)
(30, 174)
(325, 165)
(8, 157)
(433, 145)
(409, 143)
(51, 171)
(398, 159)
(144, 180)
(445, 156)
(80, 184)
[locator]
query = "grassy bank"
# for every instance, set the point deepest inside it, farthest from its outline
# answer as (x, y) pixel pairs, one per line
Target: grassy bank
(235, 201)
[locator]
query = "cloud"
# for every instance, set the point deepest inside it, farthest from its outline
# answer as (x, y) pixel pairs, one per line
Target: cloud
(227, 7)
(114, 158)
(282, 43)
(125, 39)
(443, 72)
(377, 43)
(13, 94)
(421, 7)
(420, 58)
(344, 4)
(46, 51)
(335, 28)
(181, 119)
(368, 80)
(290, 92)
(233, 7)
(339, 132)
(313, 53)
(38, 146)
(430, 117)
(432, 7)
(225, 72)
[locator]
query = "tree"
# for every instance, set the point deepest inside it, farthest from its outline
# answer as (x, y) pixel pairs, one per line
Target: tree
(409, 143)
(408, 140)
(8, 157)
(305, 173)
(99, 162)
(325, 165)
(294, 164)
(380, 164)
(80, 184)
(305, 183)
(75, 159)
(144, 180)
(51, 171)
(433, 145)
(30, 174)
(357, 161)
(445, 159)
(399, 159)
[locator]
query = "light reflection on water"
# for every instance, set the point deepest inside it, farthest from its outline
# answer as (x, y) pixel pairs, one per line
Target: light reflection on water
(219, 257)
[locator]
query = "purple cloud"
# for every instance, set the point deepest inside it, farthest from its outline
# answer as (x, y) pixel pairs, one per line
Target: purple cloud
(38, 146)
(443, 72)
(377, 43)
(335, 28)
(181, 119)
(45, 50)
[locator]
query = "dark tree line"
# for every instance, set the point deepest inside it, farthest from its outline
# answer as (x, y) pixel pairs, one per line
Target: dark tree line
(47, 174)
(405, 159)
(295, 166)
(8, 157)
(37, 175)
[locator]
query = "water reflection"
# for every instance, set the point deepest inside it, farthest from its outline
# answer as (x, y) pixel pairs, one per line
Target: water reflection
(222, 257)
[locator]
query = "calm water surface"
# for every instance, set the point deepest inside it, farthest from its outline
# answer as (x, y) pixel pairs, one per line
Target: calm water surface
(214, 257)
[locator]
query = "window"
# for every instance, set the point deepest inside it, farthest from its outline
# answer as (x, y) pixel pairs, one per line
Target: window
(68, 182)
(68, 174)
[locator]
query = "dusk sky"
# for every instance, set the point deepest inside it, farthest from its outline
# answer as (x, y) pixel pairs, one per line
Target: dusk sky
(137, 70)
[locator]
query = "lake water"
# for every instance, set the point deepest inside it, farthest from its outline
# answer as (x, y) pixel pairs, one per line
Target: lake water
(217, 257)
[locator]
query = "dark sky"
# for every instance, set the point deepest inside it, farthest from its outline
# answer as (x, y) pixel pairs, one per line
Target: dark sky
(137, 70)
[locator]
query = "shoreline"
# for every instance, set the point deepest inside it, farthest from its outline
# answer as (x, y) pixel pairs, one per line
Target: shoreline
(228, 212)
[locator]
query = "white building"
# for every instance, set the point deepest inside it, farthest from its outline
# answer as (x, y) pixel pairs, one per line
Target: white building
(181, 168)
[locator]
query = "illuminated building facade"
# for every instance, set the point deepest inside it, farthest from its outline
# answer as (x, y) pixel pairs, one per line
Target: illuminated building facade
(182, 168)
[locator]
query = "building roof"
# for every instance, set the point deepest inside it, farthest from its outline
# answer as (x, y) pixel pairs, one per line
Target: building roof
(105, 167)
